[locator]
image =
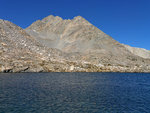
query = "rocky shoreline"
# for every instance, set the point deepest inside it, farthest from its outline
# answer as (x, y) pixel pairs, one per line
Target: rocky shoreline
(55, 66)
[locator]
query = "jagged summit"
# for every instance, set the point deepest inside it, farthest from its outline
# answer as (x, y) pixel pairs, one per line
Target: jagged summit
(52, 20)
(51, 17)
(79, 18)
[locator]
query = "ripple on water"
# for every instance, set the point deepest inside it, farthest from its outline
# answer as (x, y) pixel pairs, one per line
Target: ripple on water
(75, 93)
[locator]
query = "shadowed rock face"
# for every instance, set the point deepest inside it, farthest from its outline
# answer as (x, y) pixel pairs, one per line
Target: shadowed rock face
(54, 44)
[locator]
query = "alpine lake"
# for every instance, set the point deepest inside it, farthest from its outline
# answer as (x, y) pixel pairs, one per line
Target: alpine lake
(74, 93)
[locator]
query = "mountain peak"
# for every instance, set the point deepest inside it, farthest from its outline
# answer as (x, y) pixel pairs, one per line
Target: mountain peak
(51, 18)
(78, 18)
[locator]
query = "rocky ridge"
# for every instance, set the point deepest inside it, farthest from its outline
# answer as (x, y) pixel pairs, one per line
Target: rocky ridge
(56, 45)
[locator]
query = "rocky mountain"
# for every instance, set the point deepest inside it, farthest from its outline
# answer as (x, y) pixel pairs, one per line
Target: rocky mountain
(54, 44)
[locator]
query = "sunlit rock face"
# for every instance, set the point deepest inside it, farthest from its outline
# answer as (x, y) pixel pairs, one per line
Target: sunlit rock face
(55, 44)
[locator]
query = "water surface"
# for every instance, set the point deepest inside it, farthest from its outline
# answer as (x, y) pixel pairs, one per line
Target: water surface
(75, 93)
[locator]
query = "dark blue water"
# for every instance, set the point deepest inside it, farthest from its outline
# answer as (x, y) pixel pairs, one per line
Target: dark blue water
(75, 93)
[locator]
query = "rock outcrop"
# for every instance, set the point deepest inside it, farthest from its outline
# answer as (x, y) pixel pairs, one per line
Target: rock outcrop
(56, 45)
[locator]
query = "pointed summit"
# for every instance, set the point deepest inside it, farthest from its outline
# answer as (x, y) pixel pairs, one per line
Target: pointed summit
(80, 20)
(51, 18)
(46, 19)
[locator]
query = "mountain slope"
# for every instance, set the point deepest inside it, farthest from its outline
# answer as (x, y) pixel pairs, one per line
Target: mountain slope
(21, 52)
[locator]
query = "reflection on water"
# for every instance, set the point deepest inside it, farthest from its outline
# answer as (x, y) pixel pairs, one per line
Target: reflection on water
(75, 93)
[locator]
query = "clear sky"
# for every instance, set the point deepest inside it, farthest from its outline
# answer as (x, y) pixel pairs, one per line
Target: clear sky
(127, 21)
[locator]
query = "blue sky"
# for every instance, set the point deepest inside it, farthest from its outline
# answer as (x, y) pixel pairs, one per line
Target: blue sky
(127, 21)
